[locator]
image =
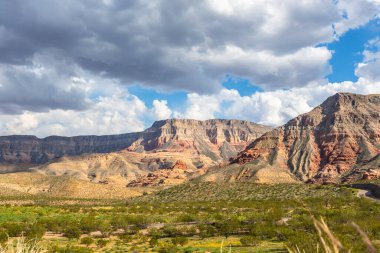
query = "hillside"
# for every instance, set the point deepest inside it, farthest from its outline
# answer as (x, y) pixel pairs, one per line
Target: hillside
(218, 139)
(170, 152)
(337, 141)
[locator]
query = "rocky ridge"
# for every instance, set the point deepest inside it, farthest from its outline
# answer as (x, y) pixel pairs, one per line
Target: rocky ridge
(219, 139)
(335, 142)
(170, 152)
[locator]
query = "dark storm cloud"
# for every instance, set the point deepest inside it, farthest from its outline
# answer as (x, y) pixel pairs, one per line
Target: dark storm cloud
(37, 88)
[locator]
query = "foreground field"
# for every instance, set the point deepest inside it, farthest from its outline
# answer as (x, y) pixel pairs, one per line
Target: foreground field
(201, 217)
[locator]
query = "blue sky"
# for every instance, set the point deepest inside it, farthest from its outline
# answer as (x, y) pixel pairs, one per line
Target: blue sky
(348, 51)
(114, 66)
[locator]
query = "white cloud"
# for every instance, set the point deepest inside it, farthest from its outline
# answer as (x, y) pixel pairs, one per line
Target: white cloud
(356, 13)
(278, 106)
(119, 113)
(63, 75)
(265, 68)
(272, 107)
(183, 45)
(370, 67)
(161, 110)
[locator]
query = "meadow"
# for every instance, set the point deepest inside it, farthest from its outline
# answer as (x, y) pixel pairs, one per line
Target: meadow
(195, 217)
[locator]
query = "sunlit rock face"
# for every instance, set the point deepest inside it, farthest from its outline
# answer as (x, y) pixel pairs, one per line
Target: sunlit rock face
(218, 139)
(337, 141)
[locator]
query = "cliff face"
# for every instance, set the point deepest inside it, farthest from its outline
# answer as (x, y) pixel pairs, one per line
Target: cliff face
(30, 149)
(326, 143)
(170, 152)
(337, 141)
(218, 139)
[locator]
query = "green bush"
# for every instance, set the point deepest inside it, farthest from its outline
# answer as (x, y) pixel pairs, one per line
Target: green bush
(101, 243)
(87, 241)
(180, 240)
(35, 232)
(153, 242)
(168, 249)
(70, 249)
(3, 237)
(72, 232)
(14, 229)
(248, 241)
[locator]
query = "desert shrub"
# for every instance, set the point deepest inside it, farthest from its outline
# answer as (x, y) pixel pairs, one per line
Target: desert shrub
(35, 231)
(171, 231)
(52, 225)
(101, 243)
(264, 231)
(3, 237)
(228, 227)
(14, 229)
(88, 224)
(137, 220)
(72, 232)
(153, 242)
(87, 241)
(119, 221)
(206, 230)
(70, 249)
(126, 238)
(186, 218)
(248, 241)
(180, 240)
(155, 233)
(168, 249)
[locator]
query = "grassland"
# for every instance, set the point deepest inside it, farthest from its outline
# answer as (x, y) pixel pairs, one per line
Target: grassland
(199, 217)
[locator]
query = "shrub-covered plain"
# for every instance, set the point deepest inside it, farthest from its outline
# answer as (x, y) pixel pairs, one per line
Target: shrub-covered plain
(197, 218)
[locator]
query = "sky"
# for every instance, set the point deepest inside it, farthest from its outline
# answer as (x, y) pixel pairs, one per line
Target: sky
(116, 66)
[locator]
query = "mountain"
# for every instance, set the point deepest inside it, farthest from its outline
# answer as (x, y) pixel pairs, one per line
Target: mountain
(337, 141)
(169, 152)
(219, 139)
(216, 138)
(27, 149)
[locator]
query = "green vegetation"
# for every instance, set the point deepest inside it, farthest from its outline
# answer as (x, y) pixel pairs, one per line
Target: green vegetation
(198, 218)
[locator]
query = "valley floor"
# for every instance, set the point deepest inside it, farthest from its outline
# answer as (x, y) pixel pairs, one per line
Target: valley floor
(194, 217)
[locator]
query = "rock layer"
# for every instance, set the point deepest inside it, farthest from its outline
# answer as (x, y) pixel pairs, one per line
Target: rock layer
(337, 141)
(218, 139)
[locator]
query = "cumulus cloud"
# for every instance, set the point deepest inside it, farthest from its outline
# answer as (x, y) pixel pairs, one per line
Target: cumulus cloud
(188, 45)
(64, 65)
(369, 68)
(356, 13)
(42, 85)
(119, 113)
(161, 110)
(272, 108)
(277, 107)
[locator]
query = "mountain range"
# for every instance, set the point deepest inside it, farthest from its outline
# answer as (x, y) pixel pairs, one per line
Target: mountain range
(338, 141)
(169, 152)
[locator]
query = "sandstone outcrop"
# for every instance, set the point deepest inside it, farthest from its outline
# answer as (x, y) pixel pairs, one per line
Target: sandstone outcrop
(337, 141)
(218, 139)
(170, 152)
